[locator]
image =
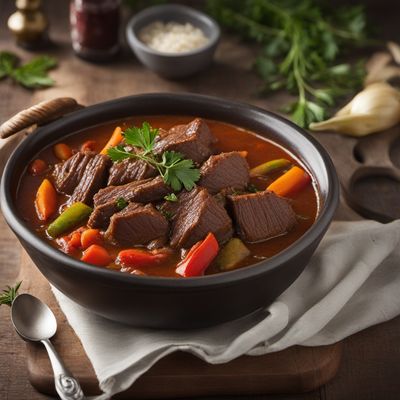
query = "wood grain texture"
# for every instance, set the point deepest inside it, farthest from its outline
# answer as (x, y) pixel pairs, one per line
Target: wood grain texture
(370, 368)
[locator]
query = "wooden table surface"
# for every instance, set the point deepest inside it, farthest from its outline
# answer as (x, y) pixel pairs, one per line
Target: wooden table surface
(371, 363)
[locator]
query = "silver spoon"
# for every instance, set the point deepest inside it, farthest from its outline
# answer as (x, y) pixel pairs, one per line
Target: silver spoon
(35, 322)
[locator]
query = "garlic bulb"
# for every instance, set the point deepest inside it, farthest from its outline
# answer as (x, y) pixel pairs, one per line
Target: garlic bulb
(374, 109)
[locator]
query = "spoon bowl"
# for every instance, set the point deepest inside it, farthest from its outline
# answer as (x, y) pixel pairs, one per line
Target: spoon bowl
(32, 319)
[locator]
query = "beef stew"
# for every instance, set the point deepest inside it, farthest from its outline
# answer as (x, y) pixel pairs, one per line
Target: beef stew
(146, 219)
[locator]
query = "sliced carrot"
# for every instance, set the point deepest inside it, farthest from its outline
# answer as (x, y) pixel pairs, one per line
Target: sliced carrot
(96, 255)
(46, 200)
(115, 139)
(89, 237)
(89, 145)
(290, 182)
(37, 167)
(62, 151)
(243, 153)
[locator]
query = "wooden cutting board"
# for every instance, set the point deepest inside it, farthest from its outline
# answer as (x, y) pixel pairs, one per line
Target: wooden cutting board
(294, 370)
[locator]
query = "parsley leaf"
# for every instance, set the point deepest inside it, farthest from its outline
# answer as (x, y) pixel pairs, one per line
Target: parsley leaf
(176, 171)
(141, 137)
(121, 203)
(171, 197)
(32, 74)
(7, 62)
(118, 153)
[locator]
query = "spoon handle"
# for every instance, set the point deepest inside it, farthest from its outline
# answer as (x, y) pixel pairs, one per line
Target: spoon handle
(67, 386)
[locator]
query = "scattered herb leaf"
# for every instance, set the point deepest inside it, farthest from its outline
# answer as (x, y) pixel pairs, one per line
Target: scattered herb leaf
(121, 203)
(9, 294)
(175, 170)
(171, 197)
(142, 138)
(300, 39)
(32, 74)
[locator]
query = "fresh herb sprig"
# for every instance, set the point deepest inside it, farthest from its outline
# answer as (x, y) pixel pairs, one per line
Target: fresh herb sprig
(9, 294)
(32, 75)
(300, 45)
(175, 170)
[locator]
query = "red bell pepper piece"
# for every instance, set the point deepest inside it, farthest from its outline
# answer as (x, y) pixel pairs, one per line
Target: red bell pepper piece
(135, 258)
(199, 257)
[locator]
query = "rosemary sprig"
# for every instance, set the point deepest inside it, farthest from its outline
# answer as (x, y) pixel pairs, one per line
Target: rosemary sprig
(9, 294)
(175, 170)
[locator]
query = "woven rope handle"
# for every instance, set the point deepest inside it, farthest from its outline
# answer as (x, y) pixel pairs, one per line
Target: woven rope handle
(38, 114)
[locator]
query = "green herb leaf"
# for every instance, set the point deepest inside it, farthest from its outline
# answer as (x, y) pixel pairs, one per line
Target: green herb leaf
(141, 137)
(7, 62)
(175, 170)
(171, 197)
(121, 203)
(118, 153)
(9, 294)
(34, 73)
(179, 171)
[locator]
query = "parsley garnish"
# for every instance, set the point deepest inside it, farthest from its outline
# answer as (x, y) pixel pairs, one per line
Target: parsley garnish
(32, 74)
(175, 170)
(171, 197)
(301, 41)
(9, 294)
(121, 203)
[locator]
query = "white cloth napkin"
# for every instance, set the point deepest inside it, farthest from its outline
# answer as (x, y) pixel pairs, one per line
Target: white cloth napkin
(352, 282)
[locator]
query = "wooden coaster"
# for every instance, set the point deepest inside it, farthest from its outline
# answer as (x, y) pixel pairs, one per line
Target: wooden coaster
(294, 370)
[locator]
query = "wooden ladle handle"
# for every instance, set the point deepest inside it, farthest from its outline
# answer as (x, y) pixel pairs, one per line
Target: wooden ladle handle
(38, 114)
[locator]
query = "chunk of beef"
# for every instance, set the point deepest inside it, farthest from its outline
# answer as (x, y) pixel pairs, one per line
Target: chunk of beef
(137, 224)
(93, 179)
(224, 170)
(100, 217)
(145, 191)
(262, 215)
(198, 214)
(67, 174)
(130, 170)
(193, 140)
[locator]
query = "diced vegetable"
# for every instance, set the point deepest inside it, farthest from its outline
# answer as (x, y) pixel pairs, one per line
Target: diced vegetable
(62, 151)
(136, 258)
(269, 166)
(46, 200)
(243, 153)
(72, 217)
(70, 243)
(290, 182)
(89, 145)
(233, 252)
(37, 167)
(89, 237)
(199, 257)
(115, 139)
(96, 255)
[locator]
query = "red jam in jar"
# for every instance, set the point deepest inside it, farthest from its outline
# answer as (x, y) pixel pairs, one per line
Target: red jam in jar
(95, 28)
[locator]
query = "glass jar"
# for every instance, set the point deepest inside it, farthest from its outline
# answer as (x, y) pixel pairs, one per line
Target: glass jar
(95, 28)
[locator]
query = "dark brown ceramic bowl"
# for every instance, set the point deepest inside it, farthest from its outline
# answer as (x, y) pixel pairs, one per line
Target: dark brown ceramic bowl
(170, 302)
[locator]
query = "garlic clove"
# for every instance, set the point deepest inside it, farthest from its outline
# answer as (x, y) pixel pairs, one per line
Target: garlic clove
(352, 125)
(374, 109)
(374, 66)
